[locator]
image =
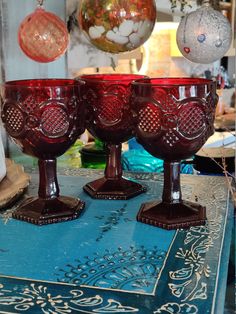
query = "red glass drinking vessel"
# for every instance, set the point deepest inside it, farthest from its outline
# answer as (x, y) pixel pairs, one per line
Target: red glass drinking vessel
(44, 117)
(110, 119)
(175, 118)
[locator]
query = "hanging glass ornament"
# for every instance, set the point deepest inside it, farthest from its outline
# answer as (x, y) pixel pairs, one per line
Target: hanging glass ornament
(43, 36)
(205, 35)
(117, 25)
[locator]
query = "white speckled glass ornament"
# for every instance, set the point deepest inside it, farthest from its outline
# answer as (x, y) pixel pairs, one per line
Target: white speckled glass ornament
(116, 26)
(204, 36)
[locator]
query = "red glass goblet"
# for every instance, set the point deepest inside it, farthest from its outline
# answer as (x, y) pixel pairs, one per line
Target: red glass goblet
(44, 117)
(175, 118)
(110, 119)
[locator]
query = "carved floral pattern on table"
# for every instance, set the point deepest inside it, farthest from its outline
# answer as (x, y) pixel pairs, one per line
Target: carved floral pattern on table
(40, 297)
(111, 221)
(131, 270)
(188, 284)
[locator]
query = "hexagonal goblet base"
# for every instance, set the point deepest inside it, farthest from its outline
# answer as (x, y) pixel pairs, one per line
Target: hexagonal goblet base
(41, 211)
(113, 186)
(172, 216)
(172, 212)
(113, 189)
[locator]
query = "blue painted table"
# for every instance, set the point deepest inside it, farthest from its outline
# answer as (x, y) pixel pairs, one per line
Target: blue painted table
(106, 262)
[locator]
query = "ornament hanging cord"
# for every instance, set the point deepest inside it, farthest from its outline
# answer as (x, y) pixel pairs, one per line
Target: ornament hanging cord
(206, 2)
(40, 3)
(214, 3)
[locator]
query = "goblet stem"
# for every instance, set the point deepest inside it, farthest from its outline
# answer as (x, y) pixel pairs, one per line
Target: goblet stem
(113, 185)
(48, 184)
(49, 207)
(172, 190)
(172, 212)
(113, 170)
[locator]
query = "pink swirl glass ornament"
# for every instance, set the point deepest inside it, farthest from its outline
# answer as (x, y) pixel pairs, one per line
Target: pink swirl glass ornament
(43, 36)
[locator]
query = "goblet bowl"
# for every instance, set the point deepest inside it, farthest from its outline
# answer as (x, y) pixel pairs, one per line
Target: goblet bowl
(44, 117)
(175, 118)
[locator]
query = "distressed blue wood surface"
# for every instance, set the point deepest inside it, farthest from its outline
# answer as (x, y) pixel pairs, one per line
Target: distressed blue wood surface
(106, 262)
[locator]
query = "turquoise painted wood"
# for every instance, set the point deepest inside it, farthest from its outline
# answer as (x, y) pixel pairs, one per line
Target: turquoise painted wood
(106, 262)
